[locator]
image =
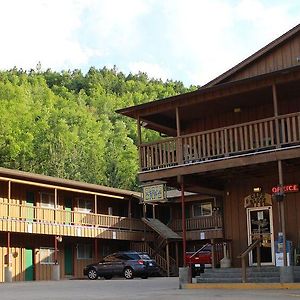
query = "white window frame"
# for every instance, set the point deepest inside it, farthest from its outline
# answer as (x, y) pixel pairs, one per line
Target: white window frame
(47, 200)
(48, 257)
(87, 249)
(201, 204)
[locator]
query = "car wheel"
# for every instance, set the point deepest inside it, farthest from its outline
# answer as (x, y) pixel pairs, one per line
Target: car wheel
(128, 273)
(92, 274)
(108, 277)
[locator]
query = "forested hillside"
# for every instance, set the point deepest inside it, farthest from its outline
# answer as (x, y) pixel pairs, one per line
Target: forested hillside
(64, 124)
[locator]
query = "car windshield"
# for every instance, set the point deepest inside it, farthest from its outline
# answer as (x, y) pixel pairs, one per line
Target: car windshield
(145, 256)
(133, 256)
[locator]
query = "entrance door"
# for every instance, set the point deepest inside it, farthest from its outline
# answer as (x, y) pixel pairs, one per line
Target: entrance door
(260, 224)
(29, 266)
(68, 260)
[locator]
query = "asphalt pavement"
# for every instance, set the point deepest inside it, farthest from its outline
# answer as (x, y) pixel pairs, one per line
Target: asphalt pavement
(145, 289)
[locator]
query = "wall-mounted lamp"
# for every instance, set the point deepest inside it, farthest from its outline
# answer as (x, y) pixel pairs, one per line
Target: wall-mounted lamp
(257, 189)
(237, 109)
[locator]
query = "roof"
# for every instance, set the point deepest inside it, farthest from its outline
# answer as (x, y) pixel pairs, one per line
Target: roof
(21, 175)
(263, 51)
(183, 99)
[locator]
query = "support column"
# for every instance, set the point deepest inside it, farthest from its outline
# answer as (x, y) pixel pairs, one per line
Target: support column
(139, 133)
(153, 211)
(95, 204)
(177, 256)
(282, 213)
(9, 197)
(275, 108)
(168, 259)
(55, 205)
(183, 223)
(8, 268)
(179, 153)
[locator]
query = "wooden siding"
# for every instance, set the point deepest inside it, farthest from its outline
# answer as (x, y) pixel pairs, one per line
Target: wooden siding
(281, 57)
(235, 219)
(221, 143)
(18, 263)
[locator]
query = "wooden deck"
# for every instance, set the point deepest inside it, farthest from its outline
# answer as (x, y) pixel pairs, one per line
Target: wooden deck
(251, 137)
(33, 219)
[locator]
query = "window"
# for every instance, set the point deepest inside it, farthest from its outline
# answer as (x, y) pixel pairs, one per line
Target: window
(47, 200)
(84, 251)
(202, 209)
(47, 256)
(84, 205)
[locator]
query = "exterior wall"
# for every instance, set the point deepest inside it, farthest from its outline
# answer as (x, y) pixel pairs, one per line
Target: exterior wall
(19, 242)
(235, 218)
(282, 57)
(227, 118)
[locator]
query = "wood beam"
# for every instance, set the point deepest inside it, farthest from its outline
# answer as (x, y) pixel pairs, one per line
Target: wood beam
(232, 162)
(50, 186)
(160, 128)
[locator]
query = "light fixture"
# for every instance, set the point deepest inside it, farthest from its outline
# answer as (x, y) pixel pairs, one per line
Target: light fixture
(257, 189)
(237, 109)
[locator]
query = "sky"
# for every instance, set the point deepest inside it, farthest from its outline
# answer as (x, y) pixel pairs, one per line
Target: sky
(192, 41)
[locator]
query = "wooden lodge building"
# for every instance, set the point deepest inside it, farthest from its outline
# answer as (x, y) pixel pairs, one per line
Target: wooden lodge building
(46, 220)
(235, 144)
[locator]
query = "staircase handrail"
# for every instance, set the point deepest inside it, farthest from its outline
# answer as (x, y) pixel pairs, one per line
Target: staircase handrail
(244, 254)
(195, 253)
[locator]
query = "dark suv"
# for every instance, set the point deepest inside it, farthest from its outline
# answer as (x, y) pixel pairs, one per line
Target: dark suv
(125, 263)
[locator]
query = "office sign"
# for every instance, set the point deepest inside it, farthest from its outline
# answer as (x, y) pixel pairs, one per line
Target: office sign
(289, 188)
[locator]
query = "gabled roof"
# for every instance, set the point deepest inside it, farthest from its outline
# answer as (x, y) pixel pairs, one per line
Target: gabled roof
(254, 57)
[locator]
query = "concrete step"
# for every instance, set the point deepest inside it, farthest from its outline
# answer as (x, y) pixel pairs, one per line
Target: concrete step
(233, 275)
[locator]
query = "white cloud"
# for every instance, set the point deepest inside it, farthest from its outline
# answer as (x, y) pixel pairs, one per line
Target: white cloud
(206, 35)
(153, 70)
(189, 40)
(34, 30)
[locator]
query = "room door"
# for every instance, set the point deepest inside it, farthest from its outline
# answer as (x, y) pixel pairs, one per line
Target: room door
(29, 265)
(68, 260)
(260, 224)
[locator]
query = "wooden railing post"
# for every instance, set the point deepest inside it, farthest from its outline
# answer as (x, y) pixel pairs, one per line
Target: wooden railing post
(258, 258)
(244, 270)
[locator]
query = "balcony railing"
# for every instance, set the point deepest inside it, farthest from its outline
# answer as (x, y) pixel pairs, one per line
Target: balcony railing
(201, 223)
(58, 216)
(233, 140)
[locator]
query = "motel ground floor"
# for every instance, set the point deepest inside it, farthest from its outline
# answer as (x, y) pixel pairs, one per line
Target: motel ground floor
(32, 255)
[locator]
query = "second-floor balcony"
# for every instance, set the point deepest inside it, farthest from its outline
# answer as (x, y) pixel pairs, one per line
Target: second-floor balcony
(18, 217)
(211, 227)
(246, 138)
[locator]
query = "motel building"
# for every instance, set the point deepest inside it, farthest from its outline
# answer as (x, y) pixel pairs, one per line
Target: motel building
(231, 150)
(51, 228)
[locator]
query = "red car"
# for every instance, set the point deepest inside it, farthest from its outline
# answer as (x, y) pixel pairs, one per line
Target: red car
(200, 259)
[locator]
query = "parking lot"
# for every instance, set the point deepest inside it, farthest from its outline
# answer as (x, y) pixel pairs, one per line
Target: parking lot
(151, 288)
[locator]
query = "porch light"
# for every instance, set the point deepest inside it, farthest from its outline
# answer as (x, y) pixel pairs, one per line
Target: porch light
(257, 189)
(237, 109)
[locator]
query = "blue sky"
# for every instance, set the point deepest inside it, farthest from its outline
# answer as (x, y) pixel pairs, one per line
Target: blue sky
(188, 40)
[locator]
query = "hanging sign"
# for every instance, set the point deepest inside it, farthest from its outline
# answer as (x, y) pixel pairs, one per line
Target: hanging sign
(289, 188)
(156, 192)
